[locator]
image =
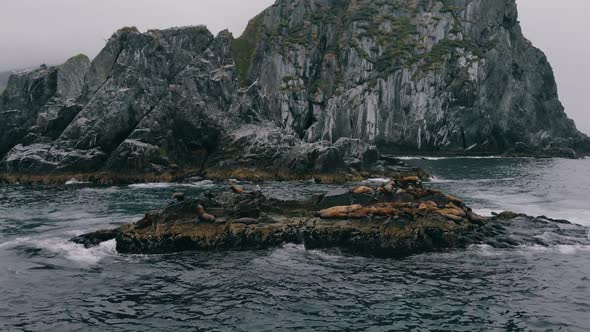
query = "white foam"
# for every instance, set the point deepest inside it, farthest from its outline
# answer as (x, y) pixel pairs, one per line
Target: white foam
(164, 185)
(572, 249)
(155, 185)
(486, 212)
(436, 179)
(77, 252)
(486, 250)
(379, 180)
(16, 242)
(449, 157)
(200, 184)
(73, 181)
(563, 249)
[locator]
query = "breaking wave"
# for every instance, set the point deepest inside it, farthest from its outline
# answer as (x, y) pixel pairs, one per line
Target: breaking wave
(165, 185)
(64, 248)
(449, 157)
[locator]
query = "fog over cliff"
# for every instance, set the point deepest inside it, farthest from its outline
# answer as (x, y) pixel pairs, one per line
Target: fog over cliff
(34, 32)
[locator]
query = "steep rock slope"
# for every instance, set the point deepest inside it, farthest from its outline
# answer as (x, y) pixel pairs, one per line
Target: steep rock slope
(310, 87)
(407, 75)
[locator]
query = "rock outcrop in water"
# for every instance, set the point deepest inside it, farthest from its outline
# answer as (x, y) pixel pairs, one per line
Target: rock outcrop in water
(386, 223)
(311, 87)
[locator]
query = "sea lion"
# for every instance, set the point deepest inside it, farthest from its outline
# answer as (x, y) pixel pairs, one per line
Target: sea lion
(145, 222)
(204, 216)
(237, 189)
(411, 179)
(361, 190)
(339, 211)
(178, 196)
(452, 210)
(428, 206)
(381, 211)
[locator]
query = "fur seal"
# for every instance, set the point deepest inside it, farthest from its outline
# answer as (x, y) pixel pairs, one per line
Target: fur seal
(237, 189)
(203, 216)
(361, 190)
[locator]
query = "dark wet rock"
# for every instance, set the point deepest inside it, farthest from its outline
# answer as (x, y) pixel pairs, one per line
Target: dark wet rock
(246, 221)
(96, 238)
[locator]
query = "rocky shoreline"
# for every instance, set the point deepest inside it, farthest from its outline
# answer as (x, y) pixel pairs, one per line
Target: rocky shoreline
(334, 166)
(397, 219)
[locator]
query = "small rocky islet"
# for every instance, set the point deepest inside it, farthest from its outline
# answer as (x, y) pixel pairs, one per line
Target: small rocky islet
(399, 218)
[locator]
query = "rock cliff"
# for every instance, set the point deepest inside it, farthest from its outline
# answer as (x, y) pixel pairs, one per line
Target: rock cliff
(311, 87)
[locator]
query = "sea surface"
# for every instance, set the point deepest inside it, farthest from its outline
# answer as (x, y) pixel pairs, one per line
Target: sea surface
(50, 284)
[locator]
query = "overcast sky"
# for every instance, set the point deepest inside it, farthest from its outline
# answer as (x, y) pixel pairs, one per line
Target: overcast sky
(50, 31)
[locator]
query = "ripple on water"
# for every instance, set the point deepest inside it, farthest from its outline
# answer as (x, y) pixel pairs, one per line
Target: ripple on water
(48, 283)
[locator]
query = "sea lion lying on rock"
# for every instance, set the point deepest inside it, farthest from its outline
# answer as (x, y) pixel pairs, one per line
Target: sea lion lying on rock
(361, 190)
(391, 209)
(204, 216)
(412, 179)
(339, 211)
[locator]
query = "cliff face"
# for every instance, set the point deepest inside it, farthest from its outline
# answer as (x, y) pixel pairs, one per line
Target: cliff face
(308, 87)
(409, 75)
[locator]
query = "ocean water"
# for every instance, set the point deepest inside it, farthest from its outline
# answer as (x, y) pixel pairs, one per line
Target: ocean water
(50, 284)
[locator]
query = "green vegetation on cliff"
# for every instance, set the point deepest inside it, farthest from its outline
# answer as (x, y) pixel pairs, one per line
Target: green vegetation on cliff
(243, 49)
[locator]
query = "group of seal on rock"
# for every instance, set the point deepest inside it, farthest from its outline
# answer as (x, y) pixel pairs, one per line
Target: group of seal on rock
(398, 197)
(399, 220)
(202, 215)
(352, 211)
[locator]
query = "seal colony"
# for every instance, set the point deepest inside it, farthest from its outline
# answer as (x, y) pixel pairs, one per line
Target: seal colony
(399, 218)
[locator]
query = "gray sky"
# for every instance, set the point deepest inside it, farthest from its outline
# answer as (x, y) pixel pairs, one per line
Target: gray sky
(50, 31)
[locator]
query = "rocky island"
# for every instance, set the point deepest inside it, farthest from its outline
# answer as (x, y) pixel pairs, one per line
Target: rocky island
(312, 88)
(397, 219)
